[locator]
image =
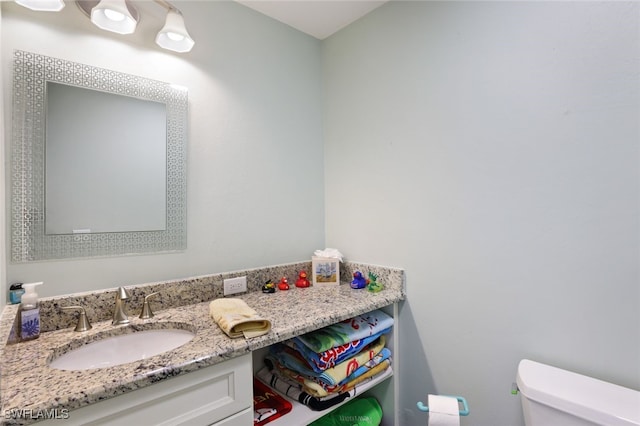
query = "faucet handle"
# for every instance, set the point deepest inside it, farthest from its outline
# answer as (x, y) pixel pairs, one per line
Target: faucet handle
(146, 307)
(83, 322)
(122, 293)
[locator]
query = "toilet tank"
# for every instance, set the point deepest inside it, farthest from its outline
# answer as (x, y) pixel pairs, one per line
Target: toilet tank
(552, 396)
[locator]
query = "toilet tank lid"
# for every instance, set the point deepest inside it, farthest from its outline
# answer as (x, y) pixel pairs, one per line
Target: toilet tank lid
(582, 396)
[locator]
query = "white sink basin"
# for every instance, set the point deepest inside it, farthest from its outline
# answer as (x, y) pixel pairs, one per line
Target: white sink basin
(121, 349)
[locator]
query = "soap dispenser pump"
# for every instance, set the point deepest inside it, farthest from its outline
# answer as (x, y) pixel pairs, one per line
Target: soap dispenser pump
(29, 313)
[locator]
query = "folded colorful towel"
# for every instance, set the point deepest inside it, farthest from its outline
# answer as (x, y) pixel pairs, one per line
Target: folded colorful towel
(324, 392)
(383, 355)
(376, 365)
(347, 331)
(292, 359)
(373, 372)
(237, 319)
(294, 390)
(333, 356)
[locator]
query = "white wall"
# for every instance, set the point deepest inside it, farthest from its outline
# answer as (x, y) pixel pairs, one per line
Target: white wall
(255, 158)
(491, 149)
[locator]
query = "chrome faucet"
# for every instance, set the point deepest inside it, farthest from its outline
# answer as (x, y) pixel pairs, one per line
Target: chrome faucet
(120, 312)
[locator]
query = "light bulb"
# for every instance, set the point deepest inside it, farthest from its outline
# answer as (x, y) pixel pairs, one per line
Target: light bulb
(113, 15)
(175, 36)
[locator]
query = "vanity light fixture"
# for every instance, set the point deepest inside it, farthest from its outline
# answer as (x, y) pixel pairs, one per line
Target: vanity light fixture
(121, 16)
(42, 5)
(174, 35)
(114, 15)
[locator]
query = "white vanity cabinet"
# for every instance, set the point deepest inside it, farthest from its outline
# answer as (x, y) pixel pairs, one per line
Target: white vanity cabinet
(220, 394)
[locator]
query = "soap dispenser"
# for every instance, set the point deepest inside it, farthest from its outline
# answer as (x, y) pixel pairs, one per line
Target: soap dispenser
(29, 313)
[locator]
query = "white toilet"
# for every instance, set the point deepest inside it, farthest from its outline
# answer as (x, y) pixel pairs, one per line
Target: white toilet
(552, 396)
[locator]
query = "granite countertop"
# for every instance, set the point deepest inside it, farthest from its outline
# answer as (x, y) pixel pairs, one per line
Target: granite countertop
(27, 382)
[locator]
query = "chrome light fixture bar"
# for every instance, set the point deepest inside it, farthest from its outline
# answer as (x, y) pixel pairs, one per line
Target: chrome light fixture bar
(42, 5)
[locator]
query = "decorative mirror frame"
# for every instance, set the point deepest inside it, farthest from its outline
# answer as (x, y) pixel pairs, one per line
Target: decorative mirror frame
(29, 242)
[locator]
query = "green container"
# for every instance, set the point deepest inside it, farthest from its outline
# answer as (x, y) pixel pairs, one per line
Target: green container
(357, 412)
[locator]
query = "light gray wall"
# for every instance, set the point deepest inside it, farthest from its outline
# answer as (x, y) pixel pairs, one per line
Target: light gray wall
(255, 157)
(491, 149)
(3, 259)
(488, 148)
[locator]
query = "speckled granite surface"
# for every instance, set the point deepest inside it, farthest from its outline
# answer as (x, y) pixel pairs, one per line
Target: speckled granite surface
(27, 382)
(172, 294)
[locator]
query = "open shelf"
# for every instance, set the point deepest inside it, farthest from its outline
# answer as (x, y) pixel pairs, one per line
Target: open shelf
(300, 414)
(383, 388)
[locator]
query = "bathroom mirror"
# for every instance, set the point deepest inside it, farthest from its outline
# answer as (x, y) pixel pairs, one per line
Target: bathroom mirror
(98, 162)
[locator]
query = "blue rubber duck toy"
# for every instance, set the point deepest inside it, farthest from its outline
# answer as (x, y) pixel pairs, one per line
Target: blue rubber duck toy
(359, 281)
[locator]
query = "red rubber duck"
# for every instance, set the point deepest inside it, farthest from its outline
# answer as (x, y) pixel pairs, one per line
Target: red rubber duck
(302, 280)
(283, 284)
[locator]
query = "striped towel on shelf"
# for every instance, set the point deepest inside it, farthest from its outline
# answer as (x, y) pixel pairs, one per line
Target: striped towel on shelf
(332, 356)
(355, 328)
(292, 359)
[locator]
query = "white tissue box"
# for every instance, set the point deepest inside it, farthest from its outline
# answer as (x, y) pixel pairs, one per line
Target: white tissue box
(325, 270)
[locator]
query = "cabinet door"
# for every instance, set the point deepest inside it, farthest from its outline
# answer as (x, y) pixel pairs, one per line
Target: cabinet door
(243, 418)
(201, 397)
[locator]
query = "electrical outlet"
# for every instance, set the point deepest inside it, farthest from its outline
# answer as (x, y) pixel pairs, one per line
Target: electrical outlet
(235, 285)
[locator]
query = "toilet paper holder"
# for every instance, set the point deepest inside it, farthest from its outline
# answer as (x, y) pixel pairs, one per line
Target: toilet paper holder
(463, 412)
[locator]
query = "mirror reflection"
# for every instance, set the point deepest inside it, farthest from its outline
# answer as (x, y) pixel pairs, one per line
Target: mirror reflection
(105, 158)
